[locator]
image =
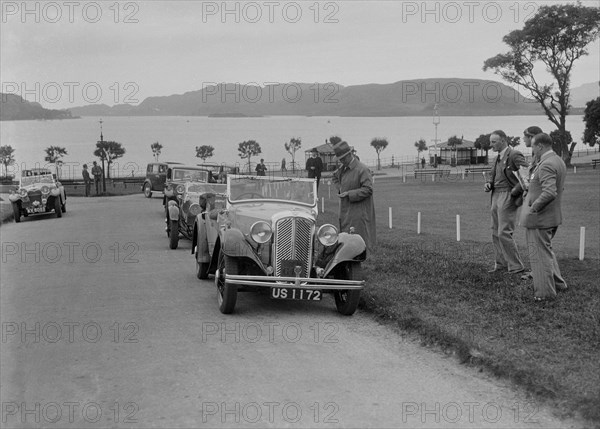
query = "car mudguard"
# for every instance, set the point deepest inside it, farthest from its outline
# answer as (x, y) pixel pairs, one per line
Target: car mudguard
(351, 247)
(173, 209)
(234, 244)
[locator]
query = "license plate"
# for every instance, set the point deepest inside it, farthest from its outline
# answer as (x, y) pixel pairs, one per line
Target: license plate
(297, 294)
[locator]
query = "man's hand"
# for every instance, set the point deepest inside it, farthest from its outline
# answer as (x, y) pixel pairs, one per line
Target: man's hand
(343, 194)
(487, 187)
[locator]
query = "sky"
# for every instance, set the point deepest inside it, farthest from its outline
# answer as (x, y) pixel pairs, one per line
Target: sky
(71, 53)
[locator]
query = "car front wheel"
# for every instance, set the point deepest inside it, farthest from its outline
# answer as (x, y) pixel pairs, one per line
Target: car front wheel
(16, 212)
(346, 301)
(226, 293)
(173, 234)
(147, 190)
(57, 207)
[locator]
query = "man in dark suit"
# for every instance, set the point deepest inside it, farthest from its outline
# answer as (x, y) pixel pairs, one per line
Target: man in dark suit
(506, 199)
(542, 215)
(314, 166)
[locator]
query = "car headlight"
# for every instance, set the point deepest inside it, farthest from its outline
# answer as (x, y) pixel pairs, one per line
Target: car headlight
(327, 235)
(23, 192)
(45, 190)
(261, 232)
(58, 184)
(180, 189)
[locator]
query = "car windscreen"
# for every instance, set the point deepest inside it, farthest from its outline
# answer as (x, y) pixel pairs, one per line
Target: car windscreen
(202, 188)
(183, 175)
(276, 189)
(29, 180)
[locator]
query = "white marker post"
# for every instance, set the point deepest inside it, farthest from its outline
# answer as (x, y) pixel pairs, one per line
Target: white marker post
(418, 222)
(322, 204)
(581, 243)
(433, 177)
(457, 227)
(390, 217)
(574, 169)
(403, 178)
(463, 174)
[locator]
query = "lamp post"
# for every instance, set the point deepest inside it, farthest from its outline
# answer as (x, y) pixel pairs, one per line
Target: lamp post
(102, 158)
(436, 122)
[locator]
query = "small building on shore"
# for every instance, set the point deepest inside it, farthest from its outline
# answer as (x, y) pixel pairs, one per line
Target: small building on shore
(461, 154)
(326, 154)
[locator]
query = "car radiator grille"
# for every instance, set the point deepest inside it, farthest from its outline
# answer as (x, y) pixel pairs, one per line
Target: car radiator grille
(293, 246)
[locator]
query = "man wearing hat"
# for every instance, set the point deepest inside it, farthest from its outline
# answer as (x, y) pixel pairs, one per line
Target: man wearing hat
(355, 189)
(314, 166)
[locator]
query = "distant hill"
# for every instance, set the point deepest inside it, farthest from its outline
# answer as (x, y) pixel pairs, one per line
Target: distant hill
(584, 93)
(15, 108)
(455, 97)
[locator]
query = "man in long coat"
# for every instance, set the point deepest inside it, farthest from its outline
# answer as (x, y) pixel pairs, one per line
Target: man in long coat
(355, 190)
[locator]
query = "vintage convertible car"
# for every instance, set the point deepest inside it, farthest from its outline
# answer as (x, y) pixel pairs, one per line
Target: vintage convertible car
(264, 236)
(39, 191)
(190, 200)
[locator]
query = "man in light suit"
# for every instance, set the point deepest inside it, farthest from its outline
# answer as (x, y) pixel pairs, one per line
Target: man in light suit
(541, 216)
(506, 199)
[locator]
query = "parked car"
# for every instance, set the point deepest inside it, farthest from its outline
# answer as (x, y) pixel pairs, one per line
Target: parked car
(156, 176)
(221, 171)
(191, 200)
(266, 237)
(39, 191)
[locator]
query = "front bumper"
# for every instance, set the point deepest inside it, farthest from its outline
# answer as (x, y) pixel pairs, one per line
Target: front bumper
(295, 282)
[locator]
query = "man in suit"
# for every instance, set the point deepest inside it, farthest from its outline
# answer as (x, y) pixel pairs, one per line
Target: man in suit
(506, 199)
(542, 215)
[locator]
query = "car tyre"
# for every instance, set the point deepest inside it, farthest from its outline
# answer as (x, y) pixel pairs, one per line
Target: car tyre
(226, 293)
(147, 190)
(173, 234)
(16, 212)
(346, 301)
(57, 207)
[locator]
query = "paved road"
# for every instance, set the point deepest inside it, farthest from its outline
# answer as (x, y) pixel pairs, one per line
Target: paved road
(104, 326)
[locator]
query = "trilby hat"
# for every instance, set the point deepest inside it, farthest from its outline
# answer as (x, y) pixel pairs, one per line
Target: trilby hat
(341, 149)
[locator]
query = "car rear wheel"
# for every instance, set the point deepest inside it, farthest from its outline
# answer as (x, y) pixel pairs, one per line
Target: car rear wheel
(346, 301)
(226, 293)
(16, 212)
(57, 207)
(173, 234)
(147, 190)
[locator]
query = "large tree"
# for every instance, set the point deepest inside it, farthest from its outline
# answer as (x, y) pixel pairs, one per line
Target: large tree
(108, 151)
(555, 37)
(248, 149)
(54, 154)
(204, 152)
(379, 144)
(334, 140)
(156, 148)
(294, 144)
(7, 157)
(591, 134)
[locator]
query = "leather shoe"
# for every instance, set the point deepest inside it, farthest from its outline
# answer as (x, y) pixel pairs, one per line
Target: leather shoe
(527, 276)
(539, 299)
(520, 270)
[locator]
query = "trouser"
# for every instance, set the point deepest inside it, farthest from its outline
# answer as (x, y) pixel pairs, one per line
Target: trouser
(97, 183)
(544, 267)
(88, 185)
(504, 216)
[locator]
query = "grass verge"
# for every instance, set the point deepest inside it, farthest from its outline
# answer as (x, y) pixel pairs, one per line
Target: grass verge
(440, 289)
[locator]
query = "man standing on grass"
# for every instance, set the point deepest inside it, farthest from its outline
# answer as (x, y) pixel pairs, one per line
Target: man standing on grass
(506, 199)
(355, 190)
(542, 215)
(97, 173)
(87, 181)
